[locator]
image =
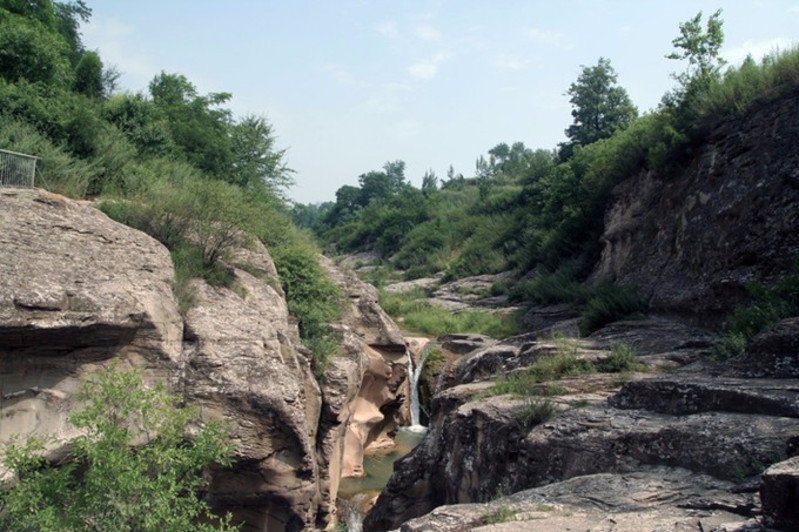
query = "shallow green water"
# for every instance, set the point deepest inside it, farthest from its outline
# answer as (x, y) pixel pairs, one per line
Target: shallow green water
(379, 467)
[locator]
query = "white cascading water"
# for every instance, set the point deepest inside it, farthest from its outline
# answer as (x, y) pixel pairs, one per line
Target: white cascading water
(415, 373)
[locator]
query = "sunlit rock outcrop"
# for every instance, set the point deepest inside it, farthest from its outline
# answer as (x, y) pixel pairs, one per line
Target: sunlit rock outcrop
(79, 291)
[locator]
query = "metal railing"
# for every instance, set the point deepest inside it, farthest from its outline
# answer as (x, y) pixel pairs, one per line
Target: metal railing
(17, 169)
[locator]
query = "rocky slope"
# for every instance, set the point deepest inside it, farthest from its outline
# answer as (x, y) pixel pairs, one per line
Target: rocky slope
(664, 451)
(688, 445)
(79, 291)
(691, 241)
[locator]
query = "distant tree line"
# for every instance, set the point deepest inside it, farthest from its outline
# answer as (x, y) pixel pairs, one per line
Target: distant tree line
(541, 212)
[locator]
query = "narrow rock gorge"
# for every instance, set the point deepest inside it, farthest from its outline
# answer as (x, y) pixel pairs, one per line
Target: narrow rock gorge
(79, 292)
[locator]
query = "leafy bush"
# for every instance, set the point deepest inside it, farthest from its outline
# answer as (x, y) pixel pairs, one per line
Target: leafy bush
(621, 359)
(545, 288)
(312, 298)
(56, 169)
(769, 306)
(609, 303)
(502, 515)
(135, 468)
(534, 412)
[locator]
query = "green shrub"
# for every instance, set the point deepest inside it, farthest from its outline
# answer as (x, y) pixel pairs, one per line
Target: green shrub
(609, 303)
(730, 346)
(769, 306)
(312, 299)
(545, 288)
(534, 412)
(56, 170)
(134, 467)
(502, 515)
(621, 359)
(398, 304)
(536, 379)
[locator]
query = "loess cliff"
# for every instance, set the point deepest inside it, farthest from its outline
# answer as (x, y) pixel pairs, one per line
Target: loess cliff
(79, 291)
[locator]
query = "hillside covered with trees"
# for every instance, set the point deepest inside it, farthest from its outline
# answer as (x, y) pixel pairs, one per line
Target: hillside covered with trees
(180, 166)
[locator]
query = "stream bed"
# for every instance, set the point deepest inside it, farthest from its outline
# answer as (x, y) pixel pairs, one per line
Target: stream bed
(378, 467)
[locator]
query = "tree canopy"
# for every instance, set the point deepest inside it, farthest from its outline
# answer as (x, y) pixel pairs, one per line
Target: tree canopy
(600, 106)
(701, 49)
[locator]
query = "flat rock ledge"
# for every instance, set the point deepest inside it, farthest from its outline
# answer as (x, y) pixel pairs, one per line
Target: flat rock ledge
(658, 498)
(680, 448)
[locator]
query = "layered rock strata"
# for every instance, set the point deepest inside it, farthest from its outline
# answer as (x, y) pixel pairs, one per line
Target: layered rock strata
(691, 240)
(602, 438)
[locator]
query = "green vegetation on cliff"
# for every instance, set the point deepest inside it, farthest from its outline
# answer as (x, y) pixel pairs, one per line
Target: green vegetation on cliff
(172, 162)
(540, 213)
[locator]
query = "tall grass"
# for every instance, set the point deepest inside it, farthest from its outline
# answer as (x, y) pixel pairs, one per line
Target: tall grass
(750, 84)
(56, 170)
(417, 315)
(540, 378)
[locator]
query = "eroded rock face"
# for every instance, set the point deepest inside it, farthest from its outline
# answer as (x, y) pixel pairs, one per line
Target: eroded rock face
(373, 343)
(365, 388)
(77, 291)
(689, 242)
(244, 364)
(657, 498)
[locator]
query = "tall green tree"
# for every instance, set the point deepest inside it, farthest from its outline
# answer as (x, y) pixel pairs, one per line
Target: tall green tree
(198, 124)
(256, 160)
(700, 47)
(134, 469)
(600, 107)
(30, 51)
(89, 75)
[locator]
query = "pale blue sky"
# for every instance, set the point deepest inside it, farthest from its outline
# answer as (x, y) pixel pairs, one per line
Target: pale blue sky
(351, 84)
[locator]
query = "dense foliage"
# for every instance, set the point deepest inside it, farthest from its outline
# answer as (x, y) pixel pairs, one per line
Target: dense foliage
(132, 470)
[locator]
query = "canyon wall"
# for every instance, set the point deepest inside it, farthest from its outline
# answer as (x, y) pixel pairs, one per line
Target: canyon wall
(671, 450)
(79, 292)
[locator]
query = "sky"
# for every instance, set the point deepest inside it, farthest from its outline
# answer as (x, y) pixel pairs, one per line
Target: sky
(351, 84)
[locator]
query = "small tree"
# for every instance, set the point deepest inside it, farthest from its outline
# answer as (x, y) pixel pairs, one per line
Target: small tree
(701, 49)
(134, 469)
(600, 107)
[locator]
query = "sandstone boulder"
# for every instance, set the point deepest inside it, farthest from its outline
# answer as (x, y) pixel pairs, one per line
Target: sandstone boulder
(245, 365)
(77, 291)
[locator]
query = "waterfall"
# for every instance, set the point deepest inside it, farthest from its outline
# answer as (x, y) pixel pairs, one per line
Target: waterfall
(415, 373)
(354, 520)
